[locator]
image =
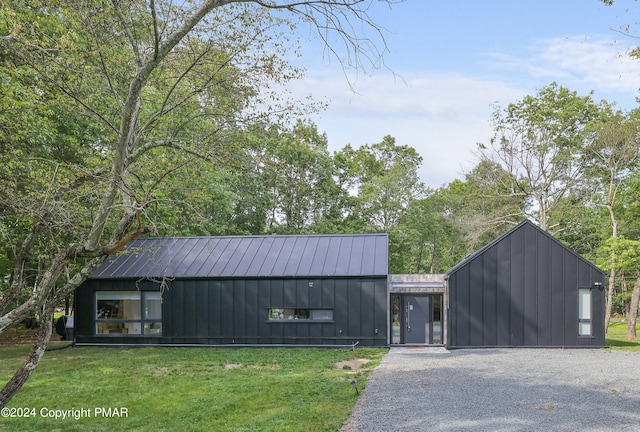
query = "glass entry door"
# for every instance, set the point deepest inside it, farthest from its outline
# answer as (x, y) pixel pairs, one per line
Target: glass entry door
(416, 319)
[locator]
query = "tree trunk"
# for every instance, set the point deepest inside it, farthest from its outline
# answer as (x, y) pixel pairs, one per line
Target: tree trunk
(612, 274)
(32, 361)
(633, 310)
(610, 291)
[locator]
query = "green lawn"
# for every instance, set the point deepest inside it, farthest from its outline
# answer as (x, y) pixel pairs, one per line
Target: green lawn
(617, 337)
(166, 389)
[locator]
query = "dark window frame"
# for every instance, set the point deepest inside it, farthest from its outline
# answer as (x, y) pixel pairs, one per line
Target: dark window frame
(293, 320)
(147, 324)
(581, 320)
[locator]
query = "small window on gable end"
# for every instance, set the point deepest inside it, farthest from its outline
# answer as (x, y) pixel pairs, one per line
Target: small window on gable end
(584, 312)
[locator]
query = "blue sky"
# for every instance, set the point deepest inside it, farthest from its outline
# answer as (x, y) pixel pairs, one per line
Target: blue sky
(450, 61)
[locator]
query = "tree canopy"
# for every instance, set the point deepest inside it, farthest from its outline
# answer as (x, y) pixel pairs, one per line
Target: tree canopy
(105, 103)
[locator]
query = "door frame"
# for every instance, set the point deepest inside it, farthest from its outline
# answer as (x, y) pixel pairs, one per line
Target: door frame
(399, 336)
(416, 285)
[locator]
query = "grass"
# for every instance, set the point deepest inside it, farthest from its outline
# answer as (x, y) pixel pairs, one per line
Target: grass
(190, 389)
(617, 337)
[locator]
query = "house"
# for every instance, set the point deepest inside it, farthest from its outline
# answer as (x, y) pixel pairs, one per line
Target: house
(524, 289)
(239, 290)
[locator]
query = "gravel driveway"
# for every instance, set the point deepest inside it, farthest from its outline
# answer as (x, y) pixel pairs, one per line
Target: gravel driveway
(501, 390)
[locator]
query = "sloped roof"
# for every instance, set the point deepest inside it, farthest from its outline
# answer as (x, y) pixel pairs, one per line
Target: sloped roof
(525, 222)
(250, 256)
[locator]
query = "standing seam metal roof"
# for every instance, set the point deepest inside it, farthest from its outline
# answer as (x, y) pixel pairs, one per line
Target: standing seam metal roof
(250, 256)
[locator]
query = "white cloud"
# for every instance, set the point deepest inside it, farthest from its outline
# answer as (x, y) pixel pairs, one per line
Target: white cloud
(583, 63)
(444, 115)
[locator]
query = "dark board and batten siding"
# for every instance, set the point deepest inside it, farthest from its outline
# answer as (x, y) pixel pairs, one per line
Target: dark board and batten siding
(522, 291)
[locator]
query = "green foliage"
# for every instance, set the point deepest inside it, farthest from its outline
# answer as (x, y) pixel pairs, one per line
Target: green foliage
(627, 254)
(386, 177)
(66, 76)
(539, 142)
(191, 389)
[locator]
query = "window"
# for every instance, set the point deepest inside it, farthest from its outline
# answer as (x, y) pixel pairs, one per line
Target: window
(584, 312)
(128, 312)
(284, 314)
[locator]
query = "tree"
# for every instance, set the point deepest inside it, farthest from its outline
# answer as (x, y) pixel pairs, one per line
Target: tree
(427, 241)
(387, 181)
(136, 78)
(539, 141)
(627, 254)
(614, 152)
(298, 172)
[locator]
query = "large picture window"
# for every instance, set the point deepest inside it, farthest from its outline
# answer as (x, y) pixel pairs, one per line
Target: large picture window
(584, 312)
(128, 313)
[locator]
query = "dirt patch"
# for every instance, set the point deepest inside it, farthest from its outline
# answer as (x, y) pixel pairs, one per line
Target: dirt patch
(351, 365)
(230, 366)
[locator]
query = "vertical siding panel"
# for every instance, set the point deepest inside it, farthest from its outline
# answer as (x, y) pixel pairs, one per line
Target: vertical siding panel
(214, 301)
(476, 301)
(367, 310)
(239, 305)
(328, 294)
(571, 299)
(167, 311)
(530, 285)
(264, 304)
(202, 309)
(252, 311)
(190, 310)
(490, 300)
(341, 309)
(302, 293)
(289, 287)
(544, 299)
(557, 295)
(354, 314)
(503, 293)
(85, 310)
(177, 307)
(462, 306)
(226, 311)
(381, 307)
(452, 318)
(315, 293)
(517, 288)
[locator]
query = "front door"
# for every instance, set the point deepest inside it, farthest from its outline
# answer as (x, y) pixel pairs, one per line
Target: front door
(416, 319)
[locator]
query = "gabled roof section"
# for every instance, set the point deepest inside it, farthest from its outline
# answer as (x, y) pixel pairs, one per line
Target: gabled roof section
(525, 222)
(250, 256)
